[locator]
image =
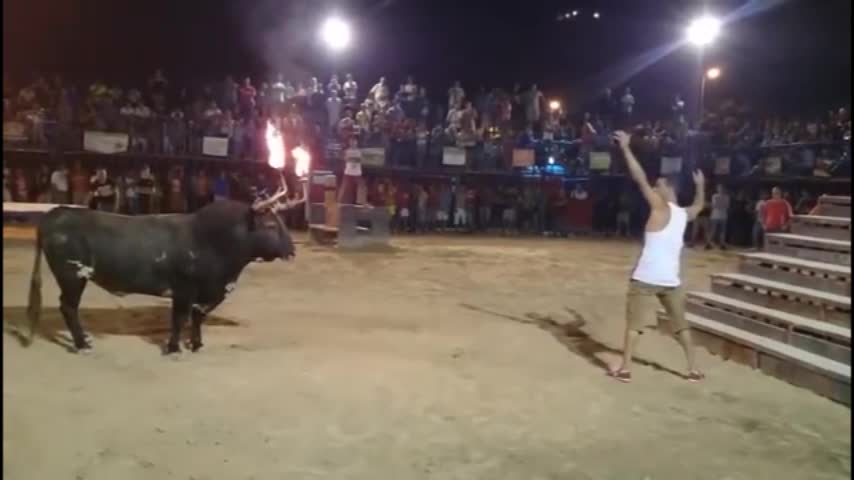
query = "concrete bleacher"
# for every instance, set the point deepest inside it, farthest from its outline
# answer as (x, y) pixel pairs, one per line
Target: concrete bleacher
(787, 311)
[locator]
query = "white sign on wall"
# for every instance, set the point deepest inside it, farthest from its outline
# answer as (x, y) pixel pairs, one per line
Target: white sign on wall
(215, 146)
(103, 142)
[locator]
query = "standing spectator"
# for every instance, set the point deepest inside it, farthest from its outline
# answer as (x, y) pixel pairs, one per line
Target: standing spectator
(177, 197)
(277, 93)
(228, 96)
(145, 185)
(131, 193)
(21, 192)
(778, 212)
(422, 215)
(719, 217)
(758, 223)
(351, 90)
(41, 186)
(628, 107)
(158, 86)
(104, 195)
(410, 89)
(333, 88)
(221, 186)
(456, 94)
(202, 190)
(59, 185)
(460, 208)
(379, 93)
(533, 105)
(677, 108)
(444, 211)
(333, 109)
(7, 191)
(246, 98)
(79, 186)
(588, 138)
(607, 108)
(701, 224)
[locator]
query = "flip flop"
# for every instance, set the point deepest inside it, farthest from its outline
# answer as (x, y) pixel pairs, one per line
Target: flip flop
(621, 375)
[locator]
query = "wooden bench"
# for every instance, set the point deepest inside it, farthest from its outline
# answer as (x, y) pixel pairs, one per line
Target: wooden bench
(821, 338)
(809, 248)
(834, 228)
(822, 375)
(808, 302)
(803, 273)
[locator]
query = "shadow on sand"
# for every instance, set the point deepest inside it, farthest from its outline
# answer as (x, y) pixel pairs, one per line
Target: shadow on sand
(149, 323)
(573, 338)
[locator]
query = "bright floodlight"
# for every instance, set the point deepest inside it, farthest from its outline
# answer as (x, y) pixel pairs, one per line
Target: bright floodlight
(596, 15)
(713, 73)
(554, 105)
(703, 31)
(335, 33)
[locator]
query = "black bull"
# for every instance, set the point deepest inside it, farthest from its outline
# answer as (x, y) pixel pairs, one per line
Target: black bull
(194, 259)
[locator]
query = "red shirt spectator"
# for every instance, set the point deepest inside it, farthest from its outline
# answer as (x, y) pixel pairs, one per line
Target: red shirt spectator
(778, 212)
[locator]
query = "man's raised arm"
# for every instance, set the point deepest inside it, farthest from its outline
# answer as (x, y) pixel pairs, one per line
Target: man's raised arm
(699, 194)
(637, 172)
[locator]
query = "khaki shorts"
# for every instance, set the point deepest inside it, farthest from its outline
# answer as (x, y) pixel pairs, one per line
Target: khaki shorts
(640, 306)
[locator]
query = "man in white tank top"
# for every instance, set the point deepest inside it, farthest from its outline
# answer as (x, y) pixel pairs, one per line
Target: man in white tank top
(656, 274)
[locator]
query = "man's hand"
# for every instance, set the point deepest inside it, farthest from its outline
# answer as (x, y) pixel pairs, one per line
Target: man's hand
(699, 178)
(622, 138)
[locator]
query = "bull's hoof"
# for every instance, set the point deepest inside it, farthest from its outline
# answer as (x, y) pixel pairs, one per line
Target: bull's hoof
(171, 348)
(196, 346)
(85, 349)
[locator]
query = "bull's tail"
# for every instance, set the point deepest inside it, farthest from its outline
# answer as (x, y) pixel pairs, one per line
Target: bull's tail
(34, 308)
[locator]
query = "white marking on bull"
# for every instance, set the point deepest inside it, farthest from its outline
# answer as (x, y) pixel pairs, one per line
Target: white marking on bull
(166, 293)
(83, 271)
(60, 238)
(161, 258)
(203, 309)
(192, 254)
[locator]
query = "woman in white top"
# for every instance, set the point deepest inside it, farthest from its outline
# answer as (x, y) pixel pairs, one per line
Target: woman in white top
(657, 271)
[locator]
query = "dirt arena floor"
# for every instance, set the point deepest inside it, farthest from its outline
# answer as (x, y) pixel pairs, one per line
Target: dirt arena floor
(448, 358)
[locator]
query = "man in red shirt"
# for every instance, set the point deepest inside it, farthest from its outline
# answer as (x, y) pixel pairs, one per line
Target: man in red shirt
(778, 212)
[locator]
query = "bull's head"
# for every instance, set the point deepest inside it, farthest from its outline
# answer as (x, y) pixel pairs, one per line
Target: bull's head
(270, 237)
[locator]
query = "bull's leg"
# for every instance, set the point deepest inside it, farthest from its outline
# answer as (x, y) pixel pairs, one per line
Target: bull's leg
(69, 303)
(196, 330)
(180, 312)
(199, 316)
(71, 276)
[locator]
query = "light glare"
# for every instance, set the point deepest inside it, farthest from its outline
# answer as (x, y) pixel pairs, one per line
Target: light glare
(703, 31)
(713, 73)
(335, 33)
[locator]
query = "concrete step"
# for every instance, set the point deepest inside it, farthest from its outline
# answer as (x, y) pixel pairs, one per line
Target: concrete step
(807, 302)
(809, 248)
(834, 228)
(803, 273)
(824, 376)
(834, 206)
(821, 338)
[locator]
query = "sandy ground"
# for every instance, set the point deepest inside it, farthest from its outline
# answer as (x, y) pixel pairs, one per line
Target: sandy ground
(422, 363)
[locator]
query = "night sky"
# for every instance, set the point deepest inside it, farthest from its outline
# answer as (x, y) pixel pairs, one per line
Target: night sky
(786, 55)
